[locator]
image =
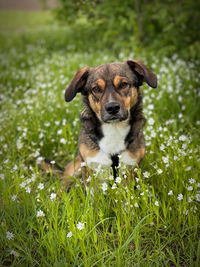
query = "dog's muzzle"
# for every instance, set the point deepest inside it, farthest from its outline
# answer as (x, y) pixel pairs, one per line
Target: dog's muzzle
(112, 112)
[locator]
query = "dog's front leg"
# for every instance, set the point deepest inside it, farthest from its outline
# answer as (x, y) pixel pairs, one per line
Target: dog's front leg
(86, 174)
(92, 159)
(131, 160)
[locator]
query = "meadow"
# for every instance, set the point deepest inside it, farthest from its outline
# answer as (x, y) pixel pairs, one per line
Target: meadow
(154, 221)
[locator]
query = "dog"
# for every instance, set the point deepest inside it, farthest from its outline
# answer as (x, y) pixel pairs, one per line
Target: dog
(112, 119)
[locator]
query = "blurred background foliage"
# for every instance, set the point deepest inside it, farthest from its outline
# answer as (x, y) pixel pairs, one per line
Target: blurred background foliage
(166, 27)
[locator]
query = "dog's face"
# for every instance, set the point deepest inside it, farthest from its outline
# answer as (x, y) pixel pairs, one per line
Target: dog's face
(111, 89)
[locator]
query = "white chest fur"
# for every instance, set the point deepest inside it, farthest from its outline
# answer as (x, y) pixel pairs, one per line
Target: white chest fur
(113, 141)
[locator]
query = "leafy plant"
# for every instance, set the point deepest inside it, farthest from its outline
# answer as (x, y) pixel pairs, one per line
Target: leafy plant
(166, 26)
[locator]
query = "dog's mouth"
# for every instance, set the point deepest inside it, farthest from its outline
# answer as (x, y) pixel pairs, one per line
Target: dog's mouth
(107, 118)
(111, 120)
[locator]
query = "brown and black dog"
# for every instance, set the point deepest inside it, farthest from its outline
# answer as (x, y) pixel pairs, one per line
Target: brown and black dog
(112, 120)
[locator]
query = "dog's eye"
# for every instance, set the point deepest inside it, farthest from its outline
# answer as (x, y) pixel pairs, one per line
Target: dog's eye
(123, 85)
(96, 90)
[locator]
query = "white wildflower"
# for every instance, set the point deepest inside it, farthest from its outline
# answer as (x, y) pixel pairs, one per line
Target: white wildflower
(146, 174)
(185, 212)
(111, 178)
(192, 181)
(104, 187)
(190, 188)
(80, 226)
(59, 132)
(170, 193)
(180, 197)
(151, 121)
(180, 115)
(198, 197)
(165, 159)
(183, 138)
(88, 179)
(36, 154)
(69, 234)
(14, 197)
(138, 187)
(114, 186)
(41, 135)
(136, 205)
(190, 199)
(19, 144)
(2, 176)
(157, 203)
(15, 167)
(52, 196)
(39, 159)
(64, 122)
(63, 141)
(159, 171)
(9, 235)
(28, 181)
(28, 189)
(153, 134)
(23, 184)
(162, 147)
(13, 252)
(41, 186)
(47, 124)
(180, 98)
(118, 180)
(137, 180)
(150, 106)
(40, 213)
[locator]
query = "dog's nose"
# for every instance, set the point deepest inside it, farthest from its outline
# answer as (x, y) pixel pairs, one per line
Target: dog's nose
(112, 108)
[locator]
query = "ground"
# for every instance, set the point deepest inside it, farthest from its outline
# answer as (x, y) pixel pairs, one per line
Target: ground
(154, 221)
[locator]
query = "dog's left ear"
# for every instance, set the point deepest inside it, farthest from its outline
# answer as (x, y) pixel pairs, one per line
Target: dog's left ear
(77, 84)
(147, 75)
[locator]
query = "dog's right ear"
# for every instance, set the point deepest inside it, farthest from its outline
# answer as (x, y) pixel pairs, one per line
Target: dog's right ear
(147, 75)
(77, 84)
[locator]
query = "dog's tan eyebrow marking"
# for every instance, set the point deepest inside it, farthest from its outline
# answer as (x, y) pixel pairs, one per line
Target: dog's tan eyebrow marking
(118, 80)
(101, 83)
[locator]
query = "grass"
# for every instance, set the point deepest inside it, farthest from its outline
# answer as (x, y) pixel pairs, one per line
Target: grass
(152, 222)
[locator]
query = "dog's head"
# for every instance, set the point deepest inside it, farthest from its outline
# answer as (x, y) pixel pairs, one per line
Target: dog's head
(111, 89)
